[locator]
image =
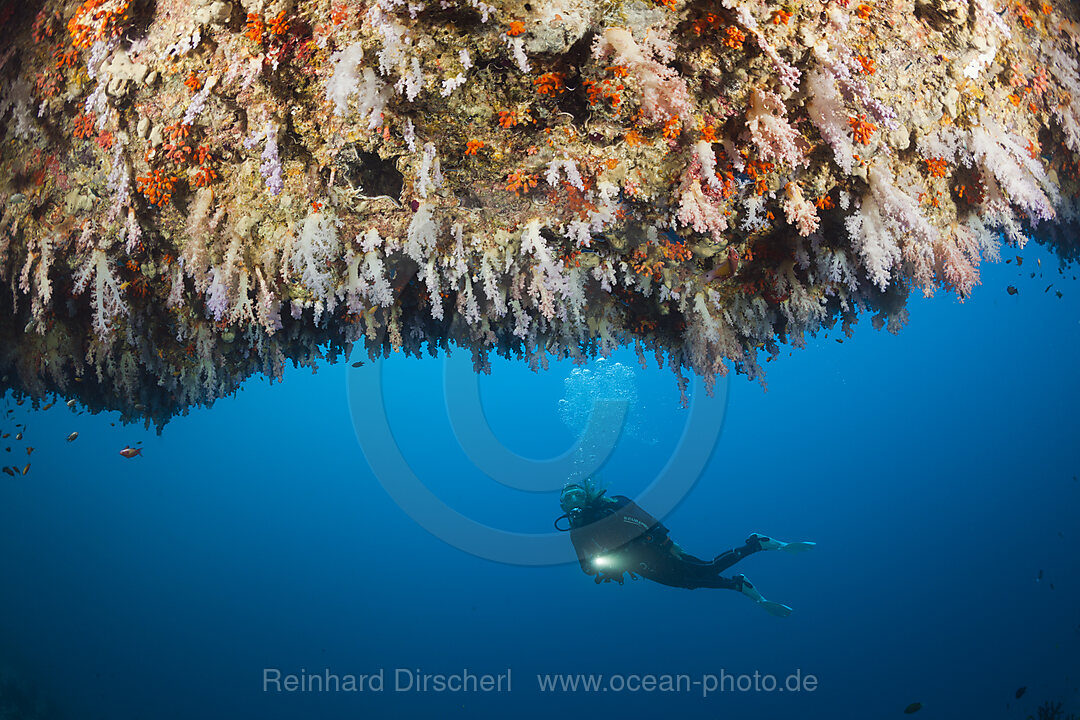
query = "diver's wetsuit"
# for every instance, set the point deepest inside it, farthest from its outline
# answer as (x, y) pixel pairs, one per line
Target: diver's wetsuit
(632, 540)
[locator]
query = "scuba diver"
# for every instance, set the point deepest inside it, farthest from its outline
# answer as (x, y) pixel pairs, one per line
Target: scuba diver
(613, 536)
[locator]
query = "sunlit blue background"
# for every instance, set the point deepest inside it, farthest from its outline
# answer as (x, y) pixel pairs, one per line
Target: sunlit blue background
(936, 470)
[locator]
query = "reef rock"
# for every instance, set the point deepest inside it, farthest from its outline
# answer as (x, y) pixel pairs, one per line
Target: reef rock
(195, 192)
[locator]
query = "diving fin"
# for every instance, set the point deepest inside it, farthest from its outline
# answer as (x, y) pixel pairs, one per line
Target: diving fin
(773, 608)
(768, 543)
(798, 547)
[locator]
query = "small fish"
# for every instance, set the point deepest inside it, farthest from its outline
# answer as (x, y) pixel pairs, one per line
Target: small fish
(840, 340)
(130, 452)
(71, 403)
(49, 405)
(1011, 290)
(1020, 692)
(1019, 261)
(1058, 293)
(5, 436)
(18, 436)
(358, 363)
(9, 471)
(1040, 576)
(913, 708)
(26, 468)
(73, 436)
(1051, 586)
(1048, 288)
(29, 450)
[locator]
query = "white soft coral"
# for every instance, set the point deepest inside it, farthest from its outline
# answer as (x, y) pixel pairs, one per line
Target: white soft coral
(106, 296)
(663, 91)
(315, 252)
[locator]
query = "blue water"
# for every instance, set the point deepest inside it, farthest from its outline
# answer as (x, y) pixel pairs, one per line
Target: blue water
(935, 469)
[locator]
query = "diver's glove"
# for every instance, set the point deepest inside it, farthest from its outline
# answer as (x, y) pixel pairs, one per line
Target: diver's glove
(768, 543)
(773, 608)
(603, 576)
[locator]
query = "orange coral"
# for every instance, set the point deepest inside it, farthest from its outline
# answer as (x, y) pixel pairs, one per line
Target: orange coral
(607, 88)
(733, 37)
(727, 180)
(708, 21)
(177, 131)
(68, 58)
(867, 64)
(862, 129)
(672, 128)
(516, 28)
(339, 14)
(177, 152)
(84, 126)
(204, 177)
(592, 91)
(507, 118)
(44, 26)
(1025, 16)
(520, 182)
(97, 20)
(640, 262)
(633, 138)
(863, 11)
(675, 250)
(936, 167)
(193, 82)
(758, 171)
(278, 25)
(47, 84)
(781, 17)
(550, 83)
(255, 28)
(157, 187)
(202, 155)
(473, 147)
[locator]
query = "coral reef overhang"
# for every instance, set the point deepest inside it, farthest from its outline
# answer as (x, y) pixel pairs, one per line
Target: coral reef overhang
(193, 192)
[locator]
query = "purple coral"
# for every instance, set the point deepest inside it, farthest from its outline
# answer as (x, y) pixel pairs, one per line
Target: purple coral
(271, 165)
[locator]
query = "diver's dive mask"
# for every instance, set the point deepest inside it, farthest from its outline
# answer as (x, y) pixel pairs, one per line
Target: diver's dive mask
(573, 499)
